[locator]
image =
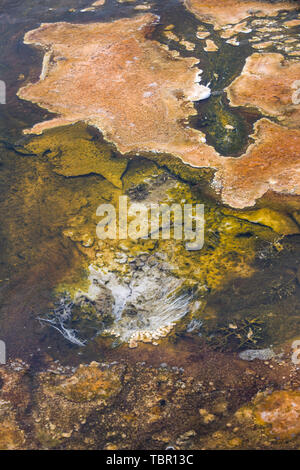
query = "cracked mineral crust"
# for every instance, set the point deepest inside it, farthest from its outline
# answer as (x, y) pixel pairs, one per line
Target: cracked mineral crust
(139, 95)
(111, 76)
(225, 12)
(270, 83)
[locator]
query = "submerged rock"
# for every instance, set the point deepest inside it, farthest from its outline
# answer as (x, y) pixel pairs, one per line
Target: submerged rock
(261, 354)
(11, 436)
(73, 152)
(90, 383)
(279, 222)
(281, 410)
(65, 398)
(14, 399)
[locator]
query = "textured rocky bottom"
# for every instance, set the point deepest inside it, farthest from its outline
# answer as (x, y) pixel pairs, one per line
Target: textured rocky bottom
(142, 344)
